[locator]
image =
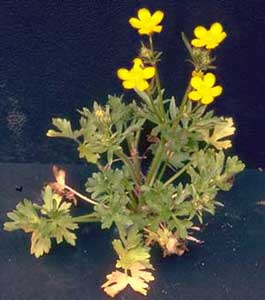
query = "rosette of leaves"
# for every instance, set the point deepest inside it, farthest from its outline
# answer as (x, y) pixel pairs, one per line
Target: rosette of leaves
(51, 220)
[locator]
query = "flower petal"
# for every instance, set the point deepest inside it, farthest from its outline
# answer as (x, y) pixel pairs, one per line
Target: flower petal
(211, 44)
(207, 99)
(194, 95)
(142, 85)
(200, 31)
(144, 14)
(209, 80)
(216, 28)
(148, 72)
(157, 17)
(144, 31)
(216, 91)
(198, 43)
(128, 84)
(157, 28)
(135, 23)
(196, 82)
(222, 36)
(123, 74)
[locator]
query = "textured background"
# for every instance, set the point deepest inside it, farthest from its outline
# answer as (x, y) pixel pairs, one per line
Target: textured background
(230, 265)
(56, 56)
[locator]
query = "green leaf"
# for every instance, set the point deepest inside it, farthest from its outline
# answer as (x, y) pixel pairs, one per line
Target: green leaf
(64, 129)
(51, 220)
(186, 42)
(131, 251)
(24, 217)
(64, 225)
(39, 244)
(118, 247)
(182, 226)
(86, 152)
(173, 109)
(233, 166)
(51, 200)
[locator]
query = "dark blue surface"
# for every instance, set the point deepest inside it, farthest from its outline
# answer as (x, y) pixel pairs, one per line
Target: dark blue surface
(230, 264)
(57, 56)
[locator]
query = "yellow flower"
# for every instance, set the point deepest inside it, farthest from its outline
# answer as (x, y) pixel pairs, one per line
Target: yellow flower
(137, 76)
(147, 23)
(204, 89)
(208, 38)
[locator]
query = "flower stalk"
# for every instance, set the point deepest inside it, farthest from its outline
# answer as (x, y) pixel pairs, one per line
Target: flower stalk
(157, 79)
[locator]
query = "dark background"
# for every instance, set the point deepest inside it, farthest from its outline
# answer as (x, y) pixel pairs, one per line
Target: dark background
(230, 265)
(57, 56)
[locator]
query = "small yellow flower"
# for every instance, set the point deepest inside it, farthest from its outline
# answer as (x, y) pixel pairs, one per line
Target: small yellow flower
(208, 38)
(204, 89)
(137, 76)
(147, 23)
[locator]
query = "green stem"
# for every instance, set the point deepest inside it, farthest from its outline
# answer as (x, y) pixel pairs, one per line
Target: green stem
(180, 172)
(160, 176)
(196, 107)
(147, 98)
(181, 108)
(135, 155)
(89, 218)
(155, 164)
(129, 164)
(157, 79)
(155, 110)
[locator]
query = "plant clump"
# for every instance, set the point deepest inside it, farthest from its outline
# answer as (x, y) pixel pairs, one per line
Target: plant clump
(164, 204)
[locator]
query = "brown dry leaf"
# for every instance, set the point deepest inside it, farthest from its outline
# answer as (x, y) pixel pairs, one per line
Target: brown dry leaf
(222, 130)
(117, 281)
(70, 196)
(59, 175)
(167, 240)
(58, 185)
